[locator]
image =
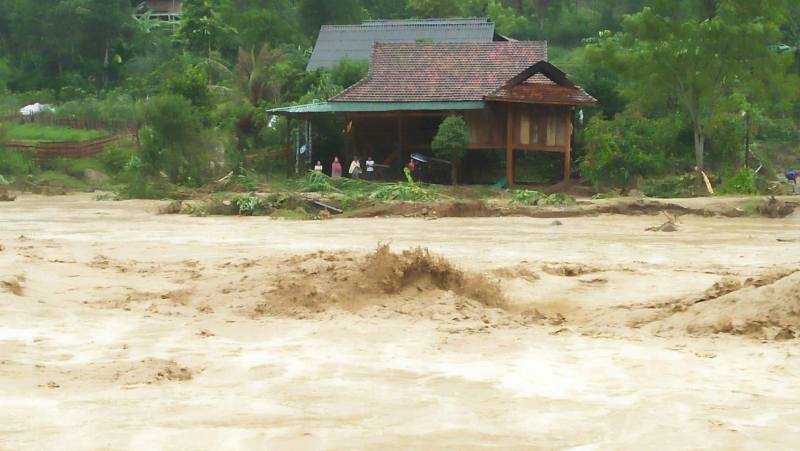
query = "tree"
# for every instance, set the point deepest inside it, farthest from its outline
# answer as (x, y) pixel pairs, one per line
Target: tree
(791, 34)
(541, 10)
(315, 13)
(508, 21)
(435, 8)
(109, 23)
(263, 75)
(699, 52)
(64, 42)
(172, 140)
(261, 21)
(619, 152)
(347, 72)
(203, 29)
(450, 141)
(192, 84)
(385, 9)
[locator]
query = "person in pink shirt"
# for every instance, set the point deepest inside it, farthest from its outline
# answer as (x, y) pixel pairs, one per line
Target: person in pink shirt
(336, 168)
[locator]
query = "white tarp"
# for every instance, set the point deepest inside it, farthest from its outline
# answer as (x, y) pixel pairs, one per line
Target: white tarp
(36, 108)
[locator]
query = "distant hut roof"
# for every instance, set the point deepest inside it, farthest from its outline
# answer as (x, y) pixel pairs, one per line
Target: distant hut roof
(161, 8)
(356, 41)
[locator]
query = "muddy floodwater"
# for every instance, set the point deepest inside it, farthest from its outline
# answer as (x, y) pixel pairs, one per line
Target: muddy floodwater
(124, 329)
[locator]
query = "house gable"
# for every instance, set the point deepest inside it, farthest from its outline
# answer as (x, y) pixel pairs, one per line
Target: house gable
(542, 83)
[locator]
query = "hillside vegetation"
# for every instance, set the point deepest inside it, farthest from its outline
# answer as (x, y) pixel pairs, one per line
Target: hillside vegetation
(681, 84)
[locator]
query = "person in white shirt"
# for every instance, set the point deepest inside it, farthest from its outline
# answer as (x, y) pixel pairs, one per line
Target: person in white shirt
(318, 166)
(370, 168)
(355, 168)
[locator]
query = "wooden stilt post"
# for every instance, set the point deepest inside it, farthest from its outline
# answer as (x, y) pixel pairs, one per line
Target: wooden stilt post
(567, 146)
(288, 146)
(354, 138)
(400, 143)
(510, 147)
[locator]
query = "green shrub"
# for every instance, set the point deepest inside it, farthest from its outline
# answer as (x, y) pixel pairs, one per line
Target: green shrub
(173, 140)
(137, 184)
(248, 180)
(403, 192)
(316, 182)
(348, 71)
(671, 186)
(558, 199)
(247, 205)
(743, 182)
(14, 163)
(537, 198)
(114, 110)
(450, 141)
(115, 157)
(76, 168)
(252, 206)
(526, 197)
(783, 130)
(621, 151)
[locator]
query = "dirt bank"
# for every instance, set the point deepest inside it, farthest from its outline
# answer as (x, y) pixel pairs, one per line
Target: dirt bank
(726, 207)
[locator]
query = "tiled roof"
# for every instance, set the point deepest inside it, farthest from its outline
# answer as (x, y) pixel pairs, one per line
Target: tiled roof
(355, 41)
(442, 72)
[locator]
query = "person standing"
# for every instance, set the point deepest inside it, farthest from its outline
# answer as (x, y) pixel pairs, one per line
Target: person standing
(318, 166)
(791, 176)
(336, 168)
(370, 163)
(355, 168)
(413, 169)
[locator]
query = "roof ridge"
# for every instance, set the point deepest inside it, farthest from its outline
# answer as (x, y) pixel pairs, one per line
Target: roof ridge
(408, 25)
(431, 19)
(460, 44)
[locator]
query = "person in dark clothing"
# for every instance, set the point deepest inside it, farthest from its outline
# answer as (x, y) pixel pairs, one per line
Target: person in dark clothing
(791, 175)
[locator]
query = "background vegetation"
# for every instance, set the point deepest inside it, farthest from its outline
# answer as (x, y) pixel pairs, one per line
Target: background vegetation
(680, 83)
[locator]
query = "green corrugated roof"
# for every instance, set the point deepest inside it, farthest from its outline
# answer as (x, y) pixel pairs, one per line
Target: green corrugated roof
(374, 107)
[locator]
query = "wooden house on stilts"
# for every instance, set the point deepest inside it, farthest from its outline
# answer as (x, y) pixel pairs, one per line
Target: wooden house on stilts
(512, 99)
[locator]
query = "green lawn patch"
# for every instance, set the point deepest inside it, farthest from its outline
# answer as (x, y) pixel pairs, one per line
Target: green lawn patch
(45, 133)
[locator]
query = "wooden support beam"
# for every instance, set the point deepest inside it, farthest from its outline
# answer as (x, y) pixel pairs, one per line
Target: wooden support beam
(567, 146)
(509, 147)
(288, 146)
(396, 114)
(400, 134)
(354, 139)
(540, 148)
(501, 146)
